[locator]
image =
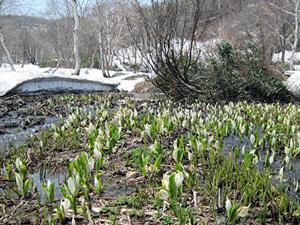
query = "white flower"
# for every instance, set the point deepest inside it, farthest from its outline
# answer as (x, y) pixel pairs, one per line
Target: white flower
(97, 152)
(72, 185)
(287, 150)
(190, 156)
(19, 164)
(184, 123)
(199, 145)
(296, 186)
(165, 180)
(91, 163)
(148, 129)
(77, 179)
(53, 127)
(255, 160)
(287, 160)
(48, 184)
(179, 179)
(163, 194)
(73, 221)
(272, 157)
(252, 138)
(90, 128)
(243, 150)
(175, 151)
(65, 205)
(281, 175)
(135, 113)
(20, 184)
(228, 204)
(100, 132)
(105, 113)
(152, 148)
(243, 211)
(96, 183)
(83, 123)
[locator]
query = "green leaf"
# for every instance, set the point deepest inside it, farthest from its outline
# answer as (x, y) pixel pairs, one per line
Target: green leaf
(19, 182)
(297, 212)
(172, 186)
(63, 189)
(27, 185)
(233, 213)
(157, 163)
(51, 192)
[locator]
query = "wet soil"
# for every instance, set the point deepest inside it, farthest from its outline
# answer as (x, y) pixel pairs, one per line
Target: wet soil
(291, 175)
(22, 116)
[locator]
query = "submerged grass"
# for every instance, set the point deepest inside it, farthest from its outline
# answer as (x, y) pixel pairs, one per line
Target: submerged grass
(157, 162)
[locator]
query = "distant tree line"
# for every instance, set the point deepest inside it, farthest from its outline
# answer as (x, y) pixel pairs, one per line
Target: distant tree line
(164, 36)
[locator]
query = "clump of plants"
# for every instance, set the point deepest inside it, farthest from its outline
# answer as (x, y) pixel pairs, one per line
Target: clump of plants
(241, 74)
(231, 75)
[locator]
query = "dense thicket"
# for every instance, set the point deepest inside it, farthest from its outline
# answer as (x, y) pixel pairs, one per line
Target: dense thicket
(231, 75)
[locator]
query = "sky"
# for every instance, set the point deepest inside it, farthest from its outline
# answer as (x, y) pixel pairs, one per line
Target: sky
(37, 7)
(34, 7)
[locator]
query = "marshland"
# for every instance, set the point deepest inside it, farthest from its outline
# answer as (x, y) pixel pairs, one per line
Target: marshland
(109, 158)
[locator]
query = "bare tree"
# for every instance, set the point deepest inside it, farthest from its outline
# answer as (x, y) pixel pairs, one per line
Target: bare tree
(58, 32)
(169, 32)
(4, 4)
(294, 12)
(76, 37)
(111, 23)
(6, 51)
(29, 46)
(281, 25)
(296, 34)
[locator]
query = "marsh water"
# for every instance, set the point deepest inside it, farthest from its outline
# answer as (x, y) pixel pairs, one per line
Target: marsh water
(290, 175)
(114, 185)
(23, 116)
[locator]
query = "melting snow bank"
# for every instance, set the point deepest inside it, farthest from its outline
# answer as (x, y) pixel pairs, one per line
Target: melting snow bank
(33, 80)
(293, 82)
(59, 84)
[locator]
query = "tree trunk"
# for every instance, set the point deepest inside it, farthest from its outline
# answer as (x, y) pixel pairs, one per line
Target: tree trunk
(102, 55)
(6, 51)
(76, 37)
(283, 44)
(93, 59)
(57, 66)
(294, 47)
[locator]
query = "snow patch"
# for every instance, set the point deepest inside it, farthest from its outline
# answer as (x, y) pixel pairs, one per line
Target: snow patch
(293, 82)
(10, 79)
(288, 55)
(128, 85)
(59, 84)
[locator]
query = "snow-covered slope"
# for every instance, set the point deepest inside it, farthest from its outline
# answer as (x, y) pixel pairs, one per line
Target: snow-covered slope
(34, 79)
(293, 82)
